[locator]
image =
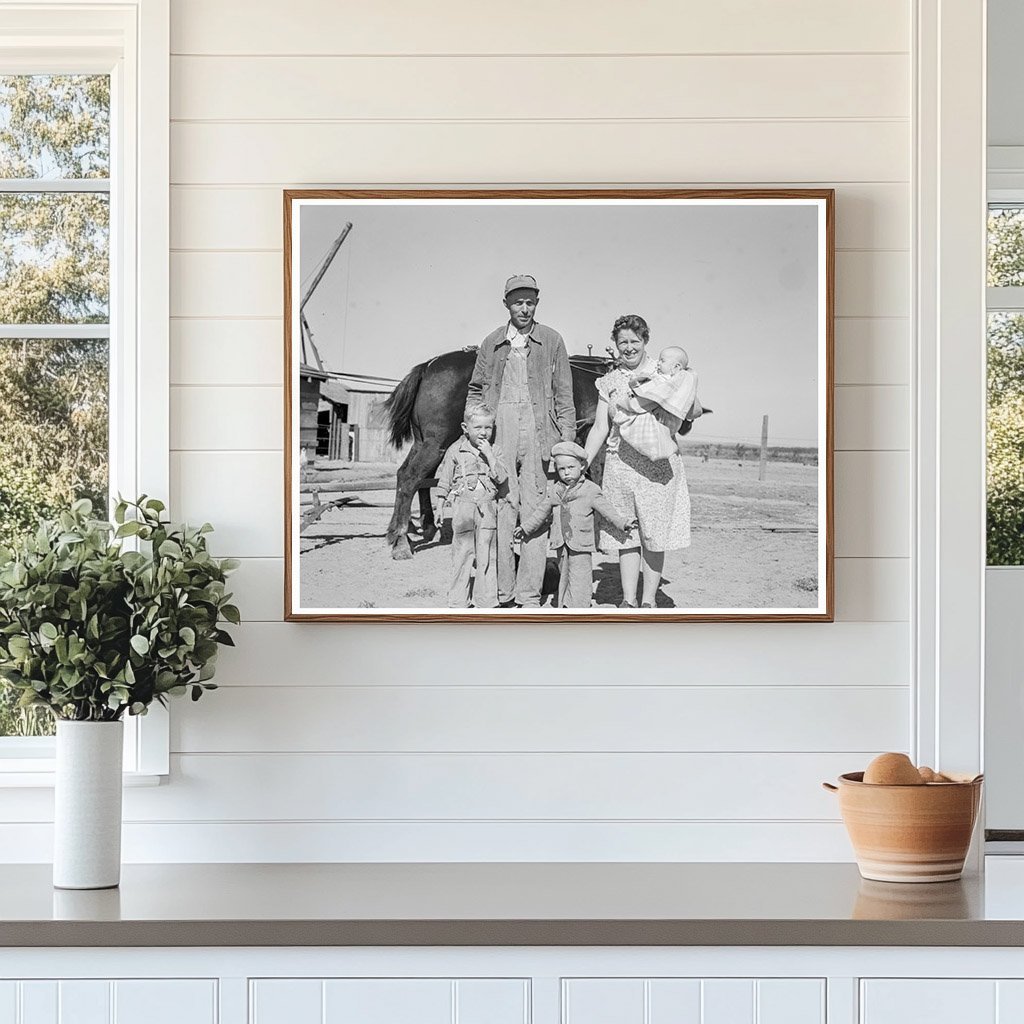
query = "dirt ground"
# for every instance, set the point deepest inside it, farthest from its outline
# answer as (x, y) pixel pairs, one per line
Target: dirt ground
(754, 545)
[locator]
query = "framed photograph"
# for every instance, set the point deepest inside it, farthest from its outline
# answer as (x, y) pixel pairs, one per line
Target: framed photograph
(558, 405)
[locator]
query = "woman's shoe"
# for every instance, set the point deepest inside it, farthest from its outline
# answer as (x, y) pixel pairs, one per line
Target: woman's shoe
(647, 606)
(626, 604)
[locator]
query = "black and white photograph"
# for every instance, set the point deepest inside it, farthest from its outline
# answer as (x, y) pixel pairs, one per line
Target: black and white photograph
(570, 406)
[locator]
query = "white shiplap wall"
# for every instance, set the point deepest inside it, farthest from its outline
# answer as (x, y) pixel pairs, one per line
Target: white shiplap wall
(673, 741)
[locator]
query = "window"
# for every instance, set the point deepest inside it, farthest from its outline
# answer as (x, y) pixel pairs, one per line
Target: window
(1005, 484)
(84, 124)
(54, 309)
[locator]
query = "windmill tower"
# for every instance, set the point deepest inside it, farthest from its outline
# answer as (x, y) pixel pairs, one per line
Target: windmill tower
(311, 367)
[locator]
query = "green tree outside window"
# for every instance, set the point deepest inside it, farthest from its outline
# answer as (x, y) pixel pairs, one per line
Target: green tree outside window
(54, 271)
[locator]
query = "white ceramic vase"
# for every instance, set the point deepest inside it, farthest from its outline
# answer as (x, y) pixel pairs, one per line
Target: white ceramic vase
(87, 805)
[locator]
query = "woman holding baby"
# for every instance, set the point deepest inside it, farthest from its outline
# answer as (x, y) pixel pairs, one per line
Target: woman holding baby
(652, 490)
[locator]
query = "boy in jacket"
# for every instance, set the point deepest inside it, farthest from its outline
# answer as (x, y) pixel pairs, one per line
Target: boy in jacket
(471, 479)
(570, 503)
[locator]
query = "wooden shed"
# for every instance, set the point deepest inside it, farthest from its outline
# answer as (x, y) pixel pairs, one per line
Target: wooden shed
(310, 382)
(352, 420)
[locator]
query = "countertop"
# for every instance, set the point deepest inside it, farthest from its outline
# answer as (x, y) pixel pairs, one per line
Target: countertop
(561, 904)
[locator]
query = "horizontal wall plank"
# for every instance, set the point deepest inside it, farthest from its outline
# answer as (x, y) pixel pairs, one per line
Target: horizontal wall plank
(867, 589)
(250, 418)
(479, 152)
(239, 492)
(465, 26)
(235, 284)
(253, 285)
(258, 586)
(454, 842)
(872, 589)
(868, 216)
(872, 351)
(797, 654)
(871, 418)
(227, 352)
(375, 787)
(549, 718)
(240, 418)
(872, 504)
(873, 284)
(334, 88)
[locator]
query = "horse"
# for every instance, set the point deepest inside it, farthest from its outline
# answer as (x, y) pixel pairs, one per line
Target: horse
(426, 408)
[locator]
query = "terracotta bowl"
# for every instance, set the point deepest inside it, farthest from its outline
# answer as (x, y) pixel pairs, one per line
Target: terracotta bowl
(909, 833)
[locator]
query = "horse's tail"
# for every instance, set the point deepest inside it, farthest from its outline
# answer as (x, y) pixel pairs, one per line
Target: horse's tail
(399, 405)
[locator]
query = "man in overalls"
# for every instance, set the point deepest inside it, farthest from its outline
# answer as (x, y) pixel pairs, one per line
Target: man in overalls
(522, 372)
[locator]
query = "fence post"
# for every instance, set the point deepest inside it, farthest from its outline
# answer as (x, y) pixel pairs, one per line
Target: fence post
(764, 447)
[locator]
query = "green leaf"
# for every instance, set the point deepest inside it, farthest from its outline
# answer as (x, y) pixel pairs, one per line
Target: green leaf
(18, 646)
(140, 644)
(232, 614)
(170, 549)
(49, 631)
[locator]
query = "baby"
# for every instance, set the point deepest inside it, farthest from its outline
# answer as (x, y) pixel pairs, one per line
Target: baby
(650, 414)
(569, 504)
(671, 361)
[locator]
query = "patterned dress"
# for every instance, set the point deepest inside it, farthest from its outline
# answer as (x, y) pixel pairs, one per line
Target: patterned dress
(654, 490)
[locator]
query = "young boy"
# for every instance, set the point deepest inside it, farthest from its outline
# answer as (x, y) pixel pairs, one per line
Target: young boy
(650, 415)
(570, 504)
(470, 479)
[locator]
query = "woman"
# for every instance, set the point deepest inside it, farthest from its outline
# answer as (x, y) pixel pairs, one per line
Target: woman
(653, 490)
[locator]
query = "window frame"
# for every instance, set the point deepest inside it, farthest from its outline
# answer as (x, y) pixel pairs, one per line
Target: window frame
(130, 41)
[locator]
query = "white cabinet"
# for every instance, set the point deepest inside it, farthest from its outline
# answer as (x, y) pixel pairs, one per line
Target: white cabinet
(389, 1001)
(94, 1001)
(942, 1001)
(693, 1001)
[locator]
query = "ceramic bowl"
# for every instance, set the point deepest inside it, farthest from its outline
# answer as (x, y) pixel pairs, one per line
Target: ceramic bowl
(909, 833)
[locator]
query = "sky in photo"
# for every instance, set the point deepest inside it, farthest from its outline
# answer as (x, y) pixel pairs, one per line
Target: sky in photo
(734, 285)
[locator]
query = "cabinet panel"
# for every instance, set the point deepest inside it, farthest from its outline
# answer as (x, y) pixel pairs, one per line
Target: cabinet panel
(492, 1002)
(693, 1001)
(84, 1002)
(8, 1002)
(791, 1001)
(674, 1001)
(1009, 1002)
(727, 1001)
(937, 1001)
(285, 1001)
(388, 1001)
(603, 1001)
(39, 1002)
(165, 1002)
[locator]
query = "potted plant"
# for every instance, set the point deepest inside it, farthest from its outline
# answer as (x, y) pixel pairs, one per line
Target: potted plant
(94, 629)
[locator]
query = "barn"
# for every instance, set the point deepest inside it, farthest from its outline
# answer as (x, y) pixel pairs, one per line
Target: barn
(351, 421)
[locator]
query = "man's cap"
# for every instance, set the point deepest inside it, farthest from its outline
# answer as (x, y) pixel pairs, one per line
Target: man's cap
(521, 281)
(569, 448)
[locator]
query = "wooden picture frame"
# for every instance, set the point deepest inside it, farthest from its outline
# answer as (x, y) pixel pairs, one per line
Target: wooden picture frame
(312, 382)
